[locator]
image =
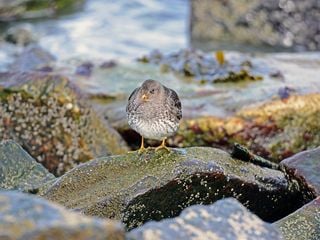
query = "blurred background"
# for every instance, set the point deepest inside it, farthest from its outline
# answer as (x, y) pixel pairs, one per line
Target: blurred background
(126, 29)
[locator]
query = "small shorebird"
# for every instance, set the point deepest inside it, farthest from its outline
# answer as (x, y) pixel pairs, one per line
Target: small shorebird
(154, 111)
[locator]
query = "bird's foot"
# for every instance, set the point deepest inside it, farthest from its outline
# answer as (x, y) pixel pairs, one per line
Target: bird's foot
(142, 150)
(163, 146)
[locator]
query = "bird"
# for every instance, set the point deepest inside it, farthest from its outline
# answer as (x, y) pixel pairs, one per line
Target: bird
(154, 111)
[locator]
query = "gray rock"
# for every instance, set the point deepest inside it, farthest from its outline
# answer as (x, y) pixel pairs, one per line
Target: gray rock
(224, 220)
(26, 217)
(136, 187)
(19, 171)
(303, 223)
(287, 24)
(305, 167)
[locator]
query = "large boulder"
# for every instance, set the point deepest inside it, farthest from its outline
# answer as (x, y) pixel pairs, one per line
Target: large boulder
(303, 223)
(48, 116)
(224, 220)
(155, 185)
(281, 24)
(24, 216)
(19, 171)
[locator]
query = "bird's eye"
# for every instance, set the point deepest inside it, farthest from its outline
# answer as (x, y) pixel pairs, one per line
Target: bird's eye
(152, 91)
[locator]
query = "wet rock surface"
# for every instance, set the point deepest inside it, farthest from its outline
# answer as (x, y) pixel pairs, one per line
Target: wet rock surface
(24, 216)
(305, 167)
(19, 171)
(45, 114)
(303, 223)
(137, 188)
(224, 220)
(287, 24)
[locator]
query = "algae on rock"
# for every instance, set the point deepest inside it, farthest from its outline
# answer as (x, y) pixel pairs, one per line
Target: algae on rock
(136, 188)
(274, 130)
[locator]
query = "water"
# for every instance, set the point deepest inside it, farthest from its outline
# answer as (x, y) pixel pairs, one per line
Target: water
(119, 29)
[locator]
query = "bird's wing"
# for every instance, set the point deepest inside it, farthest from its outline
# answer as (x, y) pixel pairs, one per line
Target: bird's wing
(173, 96)
(130, 99)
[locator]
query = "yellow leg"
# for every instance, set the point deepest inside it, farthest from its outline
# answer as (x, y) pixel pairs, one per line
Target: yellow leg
(163, 145)
(141, 149)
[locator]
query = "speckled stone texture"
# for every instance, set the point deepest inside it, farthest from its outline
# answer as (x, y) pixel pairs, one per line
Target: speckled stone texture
(224, 220)
(136, 187)
(19, 171)
(49, 117)
(26, 217)
(305, 166)
(277, 23)
(302, 224)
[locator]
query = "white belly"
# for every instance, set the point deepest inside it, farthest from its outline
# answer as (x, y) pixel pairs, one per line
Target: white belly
(155, 130)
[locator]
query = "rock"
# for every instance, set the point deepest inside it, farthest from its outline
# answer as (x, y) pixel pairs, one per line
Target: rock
(47, 115)
(32, 58)
(278, 24)
(24, 216)
(135, 188)
(22, 34)
(27, 9)
(274, 130)
(19, 171)
(226, 219)
(305, 167)
(205, 68)
(303, 223)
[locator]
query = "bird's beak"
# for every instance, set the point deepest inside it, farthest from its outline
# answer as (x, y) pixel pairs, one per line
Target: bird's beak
(144, 97)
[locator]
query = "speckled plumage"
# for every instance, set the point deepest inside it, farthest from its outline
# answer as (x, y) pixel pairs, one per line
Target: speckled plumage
(154, 111)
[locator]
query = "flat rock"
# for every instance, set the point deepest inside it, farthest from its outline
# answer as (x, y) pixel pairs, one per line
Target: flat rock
(49, 117)
(226, 219)
(305, 166)
(19, 171)
(24, 216)
(303, 223)
(136, 187)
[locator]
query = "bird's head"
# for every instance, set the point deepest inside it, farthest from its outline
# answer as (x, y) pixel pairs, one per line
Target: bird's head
(150, 90)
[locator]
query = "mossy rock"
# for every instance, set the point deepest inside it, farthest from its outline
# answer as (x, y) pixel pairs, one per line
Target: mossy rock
(47, 115)
(226, 219)
(303, 223)
(19, 171)
(27, 217)
(26, 9)
(136, 187)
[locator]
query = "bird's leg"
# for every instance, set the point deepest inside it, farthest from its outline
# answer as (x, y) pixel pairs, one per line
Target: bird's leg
(141, 149)
(163, 145)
